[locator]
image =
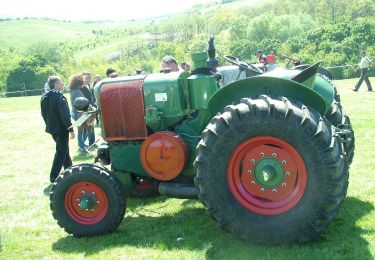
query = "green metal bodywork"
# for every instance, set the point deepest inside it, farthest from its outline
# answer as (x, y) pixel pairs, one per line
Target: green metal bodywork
(125, 157)
(317, 83)
(166, 99)
(185, 104)
(269, 172)
(201, 89)
(254, 86)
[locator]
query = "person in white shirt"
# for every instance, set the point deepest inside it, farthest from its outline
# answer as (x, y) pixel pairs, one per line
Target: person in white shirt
(363, 66)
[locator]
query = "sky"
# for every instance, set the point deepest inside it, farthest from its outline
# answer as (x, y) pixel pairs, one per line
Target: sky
(93, 9)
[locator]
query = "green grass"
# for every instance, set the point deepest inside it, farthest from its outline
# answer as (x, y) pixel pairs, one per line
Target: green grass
(152, 228)
(25, 32)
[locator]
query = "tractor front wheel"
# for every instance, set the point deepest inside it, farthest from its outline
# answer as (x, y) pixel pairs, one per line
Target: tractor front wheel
(87, 200)
(271, 170)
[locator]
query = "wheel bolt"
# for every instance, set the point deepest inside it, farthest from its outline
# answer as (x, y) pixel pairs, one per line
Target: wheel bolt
(262, 189)
(78, 200)
(252, 161)
(262, 154)
(287, 173)
(274, 190)
(83, 192)
(283, 162)
(98, 202)
(253, 182)
(92, 210)
(93, 193)
(249, 171)
(274, 154)
(284, 184)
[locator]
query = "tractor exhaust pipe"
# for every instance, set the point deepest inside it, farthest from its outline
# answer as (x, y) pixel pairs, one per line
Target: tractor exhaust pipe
(177, 190)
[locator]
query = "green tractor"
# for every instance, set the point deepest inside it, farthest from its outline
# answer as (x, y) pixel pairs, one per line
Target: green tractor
(268, 155)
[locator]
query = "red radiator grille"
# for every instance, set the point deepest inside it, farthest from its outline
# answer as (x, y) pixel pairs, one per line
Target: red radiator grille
(122, 111)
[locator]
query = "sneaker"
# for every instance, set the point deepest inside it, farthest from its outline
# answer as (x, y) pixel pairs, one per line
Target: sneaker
(355, 89)
(83, 150)
(94, 146)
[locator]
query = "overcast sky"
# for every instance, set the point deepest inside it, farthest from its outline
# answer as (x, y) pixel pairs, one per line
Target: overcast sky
(93, 9)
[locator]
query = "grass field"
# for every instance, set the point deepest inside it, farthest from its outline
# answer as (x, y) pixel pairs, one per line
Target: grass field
(25, 32)
(165, 228)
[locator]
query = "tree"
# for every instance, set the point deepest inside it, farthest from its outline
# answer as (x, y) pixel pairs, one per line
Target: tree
(31, 73)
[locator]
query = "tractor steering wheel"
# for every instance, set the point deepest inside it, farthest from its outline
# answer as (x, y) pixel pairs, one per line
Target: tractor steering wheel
(243, 64)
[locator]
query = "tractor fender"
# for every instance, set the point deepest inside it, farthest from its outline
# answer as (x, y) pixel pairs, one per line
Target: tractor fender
(254, 86)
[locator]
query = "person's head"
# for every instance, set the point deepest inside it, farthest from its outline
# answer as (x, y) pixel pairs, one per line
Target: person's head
(98, 77)
(363, 53)
(138, 71)
(169, 62)
(111, 72)
(259, 53)
(185, 66)
(54, 82)
(76, 82)
(86, 77)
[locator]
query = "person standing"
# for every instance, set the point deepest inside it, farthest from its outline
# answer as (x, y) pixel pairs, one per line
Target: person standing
(86, 91)
(97, 79)
(75, 90)
(363, 66)
(56, 115)
(262, 59)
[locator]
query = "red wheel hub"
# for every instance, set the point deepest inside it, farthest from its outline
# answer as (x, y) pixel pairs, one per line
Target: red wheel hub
(86, 203)
(267, 175)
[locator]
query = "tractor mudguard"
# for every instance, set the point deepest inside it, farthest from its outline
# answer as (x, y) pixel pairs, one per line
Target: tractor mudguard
(232, 93)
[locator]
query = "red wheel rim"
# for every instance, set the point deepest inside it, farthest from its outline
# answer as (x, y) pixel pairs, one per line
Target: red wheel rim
(91, 215)
(287, 189)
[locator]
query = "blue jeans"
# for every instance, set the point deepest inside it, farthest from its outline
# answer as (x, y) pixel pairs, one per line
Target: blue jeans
(83, 133)
(90, 134)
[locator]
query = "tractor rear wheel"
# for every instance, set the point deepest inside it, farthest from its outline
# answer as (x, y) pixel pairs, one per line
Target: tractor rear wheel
(338, 118)
(87, 200)
(271, 171)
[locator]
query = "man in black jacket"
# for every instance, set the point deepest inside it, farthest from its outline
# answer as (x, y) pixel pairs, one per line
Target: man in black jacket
(56, 115)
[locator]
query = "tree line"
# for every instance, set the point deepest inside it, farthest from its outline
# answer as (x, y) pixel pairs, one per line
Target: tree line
(330, 30)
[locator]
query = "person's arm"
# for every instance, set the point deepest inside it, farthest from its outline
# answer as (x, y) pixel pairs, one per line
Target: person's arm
(76, 94)
(43, 108)
(65, 114)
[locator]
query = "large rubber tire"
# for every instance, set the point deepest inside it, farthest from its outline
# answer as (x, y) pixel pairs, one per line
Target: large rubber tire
(338, 118)
(300, 127)
(85, 178)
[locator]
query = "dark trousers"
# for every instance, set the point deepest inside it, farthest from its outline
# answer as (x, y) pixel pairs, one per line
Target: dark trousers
(62, 157)
(363, 77)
